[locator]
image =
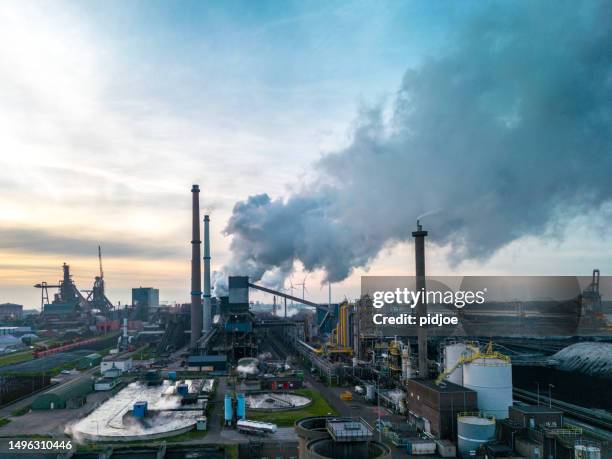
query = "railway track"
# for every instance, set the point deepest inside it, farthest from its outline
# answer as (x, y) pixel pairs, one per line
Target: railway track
(597, 419)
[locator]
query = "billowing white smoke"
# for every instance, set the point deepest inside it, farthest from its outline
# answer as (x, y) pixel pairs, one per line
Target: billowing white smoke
(219, 282)
(250, 369)
(291, 310)
(504, 135)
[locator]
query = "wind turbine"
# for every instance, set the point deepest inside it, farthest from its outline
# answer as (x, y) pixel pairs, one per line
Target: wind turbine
(291, 288)
(304, 289)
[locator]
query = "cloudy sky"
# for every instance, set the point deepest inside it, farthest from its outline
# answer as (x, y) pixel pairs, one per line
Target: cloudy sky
(110, 111)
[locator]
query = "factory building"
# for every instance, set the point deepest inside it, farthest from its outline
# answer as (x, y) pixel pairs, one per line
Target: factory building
(106, 383)
(435, 407)
(112, 365)
(144, 300)
(15, 331)
(10, 312)
(207, 362)
(536, 416)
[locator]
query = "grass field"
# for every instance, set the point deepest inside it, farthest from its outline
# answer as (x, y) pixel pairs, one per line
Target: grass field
(21, 411)
(4, 422)
(318, 407)
(16, 357)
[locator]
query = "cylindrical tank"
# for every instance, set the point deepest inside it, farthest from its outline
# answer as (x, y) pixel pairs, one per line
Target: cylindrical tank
(452, 354)
(324, 448)
(229, 412)
(491, 379)
(308, 429)
(182, 389)
(580, 452)
(240, 406)
(473, 431)
(406, 367)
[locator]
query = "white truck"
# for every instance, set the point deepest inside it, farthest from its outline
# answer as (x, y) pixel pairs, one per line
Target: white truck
(255, 427)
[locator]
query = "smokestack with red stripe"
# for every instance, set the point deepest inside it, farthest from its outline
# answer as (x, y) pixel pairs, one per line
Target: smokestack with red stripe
(196, 270)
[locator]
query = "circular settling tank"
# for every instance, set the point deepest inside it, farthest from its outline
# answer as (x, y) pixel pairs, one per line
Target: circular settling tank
(324, 448)
(310, 428)
(276, 401)
(115, 419)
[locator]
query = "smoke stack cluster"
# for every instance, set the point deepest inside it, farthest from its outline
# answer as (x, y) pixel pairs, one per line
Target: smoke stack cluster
(421, 307)
(207, 313)
(196, 270)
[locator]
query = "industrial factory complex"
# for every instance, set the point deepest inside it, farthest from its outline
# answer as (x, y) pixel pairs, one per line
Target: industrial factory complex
(221, 378)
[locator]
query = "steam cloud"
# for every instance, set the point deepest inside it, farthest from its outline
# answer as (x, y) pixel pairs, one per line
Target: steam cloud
(506, 133)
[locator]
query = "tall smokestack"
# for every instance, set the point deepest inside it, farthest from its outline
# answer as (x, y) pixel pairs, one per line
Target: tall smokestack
(196, 270)
(206, 322)
(421, 307)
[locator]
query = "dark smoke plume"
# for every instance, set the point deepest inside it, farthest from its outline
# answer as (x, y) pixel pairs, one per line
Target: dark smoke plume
(506, 133)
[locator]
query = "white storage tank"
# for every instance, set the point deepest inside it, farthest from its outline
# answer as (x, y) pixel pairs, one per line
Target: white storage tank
(370, 392)
(491, 379)
(580, 452)
(472, 432)
(406, 367)
(452, 354)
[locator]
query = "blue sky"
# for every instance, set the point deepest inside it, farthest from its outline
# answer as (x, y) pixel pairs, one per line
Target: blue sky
(110, 110)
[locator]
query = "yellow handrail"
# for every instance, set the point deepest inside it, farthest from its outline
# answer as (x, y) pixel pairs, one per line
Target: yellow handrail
(488, 353)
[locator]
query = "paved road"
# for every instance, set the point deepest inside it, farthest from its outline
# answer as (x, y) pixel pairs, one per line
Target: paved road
(356, 408)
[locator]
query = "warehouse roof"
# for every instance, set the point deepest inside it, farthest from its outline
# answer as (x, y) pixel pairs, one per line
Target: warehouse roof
(60, 395)
(206, 358)
(78, 386)
(534, 409)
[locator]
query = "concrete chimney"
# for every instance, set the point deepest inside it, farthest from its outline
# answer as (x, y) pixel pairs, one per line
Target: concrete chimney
(196, 270)
(421, 307)
(207, 320)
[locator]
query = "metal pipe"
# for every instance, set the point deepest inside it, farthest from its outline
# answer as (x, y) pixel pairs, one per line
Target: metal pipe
(207, 318)
(196, 270)
(421, 307)
(290, 297)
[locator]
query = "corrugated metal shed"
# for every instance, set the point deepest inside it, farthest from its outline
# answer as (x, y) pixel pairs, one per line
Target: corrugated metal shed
(89, 361)
(69, 395)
